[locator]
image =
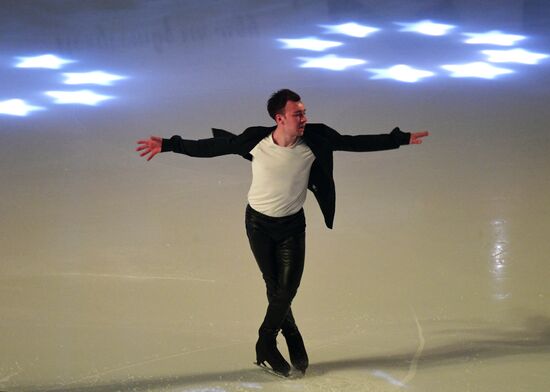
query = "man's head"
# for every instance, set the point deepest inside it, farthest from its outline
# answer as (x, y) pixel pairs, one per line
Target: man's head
(286, 108)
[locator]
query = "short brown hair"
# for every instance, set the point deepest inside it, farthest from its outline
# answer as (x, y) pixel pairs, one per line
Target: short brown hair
(277, 102)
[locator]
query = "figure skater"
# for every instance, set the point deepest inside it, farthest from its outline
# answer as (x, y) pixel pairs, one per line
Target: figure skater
(287, 160)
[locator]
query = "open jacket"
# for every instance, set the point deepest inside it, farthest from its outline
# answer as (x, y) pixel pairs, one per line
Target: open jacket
(321, 139)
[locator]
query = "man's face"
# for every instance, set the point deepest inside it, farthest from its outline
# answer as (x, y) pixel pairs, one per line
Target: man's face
(294, 119)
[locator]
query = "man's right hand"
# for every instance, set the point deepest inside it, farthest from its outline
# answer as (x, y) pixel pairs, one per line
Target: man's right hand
(151, 147)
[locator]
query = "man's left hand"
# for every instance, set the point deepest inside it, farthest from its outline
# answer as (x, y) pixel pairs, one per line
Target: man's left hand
(416, 137)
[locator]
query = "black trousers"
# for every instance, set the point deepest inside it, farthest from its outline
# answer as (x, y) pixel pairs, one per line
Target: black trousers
(278, 245)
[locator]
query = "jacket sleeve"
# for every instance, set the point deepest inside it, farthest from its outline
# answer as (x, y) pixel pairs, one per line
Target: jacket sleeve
(223, 143)
(361, 143)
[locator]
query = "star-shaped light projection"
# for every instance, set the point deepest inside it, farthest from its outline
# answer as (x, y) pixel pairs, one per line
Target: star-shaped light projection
(475, 70)
(83, 97)
(351, 29)
(400, 72)
(48, 61)
(309, 43)
(426, 27)
(493, 37)
(17, 107)
(93, 77)
(521, 56)
(330, 61)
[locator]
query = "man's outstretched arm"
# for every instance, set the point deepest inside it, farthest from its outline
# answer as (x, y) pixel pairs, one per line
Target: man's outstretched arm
(361, 143)
(202, 148)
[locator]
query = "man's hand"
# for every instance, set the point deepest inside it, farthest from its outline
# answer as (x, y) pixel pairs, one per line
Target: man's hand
(416, 137)
(151, 146)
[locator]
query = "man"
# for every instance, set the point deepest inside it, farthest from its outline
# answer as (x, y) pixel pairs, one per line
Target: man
(287, 159)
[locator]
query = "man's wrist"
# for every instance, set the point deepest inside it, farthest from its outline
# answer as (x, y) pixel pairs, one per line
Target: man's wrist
(400, 137)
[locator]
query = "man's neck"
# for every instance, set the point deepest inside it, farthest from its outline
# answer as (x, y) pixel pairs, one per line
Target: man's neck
(281, 139)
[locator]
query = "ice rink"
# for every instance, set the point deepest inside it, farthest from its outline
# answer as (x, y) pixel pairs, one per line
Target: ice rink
(118, 274)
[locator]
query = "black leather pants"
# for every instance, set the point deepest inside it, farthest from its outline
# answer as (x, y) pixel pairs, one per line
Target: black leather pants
(278, 245)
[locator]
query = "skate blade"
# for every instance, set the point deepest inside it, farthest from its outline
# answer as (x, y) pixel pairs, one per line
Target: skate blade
(273, 372)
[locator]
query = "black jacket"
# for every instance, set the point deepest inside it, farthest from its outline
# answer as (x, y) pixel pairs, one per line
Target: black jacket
(321, 139)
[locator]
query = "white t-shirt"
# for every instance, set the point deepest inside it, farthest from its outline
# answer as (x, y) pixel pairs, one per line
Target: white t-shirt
(279, 177)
